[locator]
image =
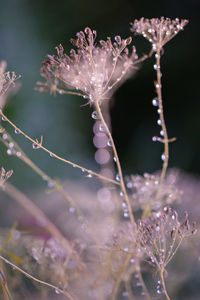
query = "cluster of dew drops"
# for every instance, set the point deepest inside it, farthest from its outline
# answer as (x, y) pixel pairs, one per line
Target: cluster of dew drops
(155, 103)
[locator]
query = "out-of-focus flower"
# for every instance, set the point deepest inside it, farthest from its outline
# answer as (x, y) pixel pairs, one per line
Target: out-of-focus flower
(7, 79)
(158, 31)
(95, 70)
(4, 176)
(144, 189)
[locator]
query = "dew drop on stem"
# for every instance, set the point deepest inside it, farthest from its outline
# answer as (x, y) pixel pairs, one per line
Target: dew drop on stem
(109, 144)
(101, 128)
(35, 146)
(159, 122)
(17, 131)
(95, 115)
(163, 157)
(117, 177)
(155, 102)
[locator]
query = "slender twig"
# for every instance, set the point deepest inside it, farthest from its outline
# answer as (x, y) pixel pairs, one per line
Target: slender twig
(147, 295)
(158, 86)
(39, 146)
(163, 284)
(121, 182)
(120, 275)
(67, 294)
(20, 154)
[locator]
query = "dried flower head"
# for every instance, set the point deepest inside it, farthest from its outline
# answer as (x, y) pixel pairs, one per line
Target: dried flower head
(158, 31)
(162, 233)
(4, 176)
(7, 79)
(93, 70)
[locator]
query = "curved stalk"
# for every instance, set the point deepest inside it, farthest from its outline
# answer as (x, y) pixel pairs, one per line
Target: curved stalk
(67, 294)
(163, 284)
(39, 146)
(158, 86)
(122, 185)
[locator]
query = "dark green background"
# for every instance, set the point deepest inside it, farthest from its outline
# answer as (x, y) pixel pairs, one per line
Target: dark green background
(29, 29)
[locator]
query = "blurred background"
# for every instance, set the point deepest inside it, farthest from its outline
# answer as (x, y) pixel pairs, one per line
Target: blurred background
(29, 29)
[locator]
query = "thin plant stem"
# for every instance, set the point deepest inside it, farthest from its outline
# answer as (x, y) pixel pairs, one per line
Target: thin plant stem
(39, 146)
(129, 289)
(158, 86)
(147, 295)
(56, 185)
(67, 294)
(121, 182)
(163, 284)
(164, 140)
(120, 275)
(3, 283)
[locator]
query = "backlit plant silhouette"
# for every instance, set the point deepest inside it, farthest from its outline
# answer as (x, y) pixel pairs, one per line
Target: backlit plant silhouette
(101, 252)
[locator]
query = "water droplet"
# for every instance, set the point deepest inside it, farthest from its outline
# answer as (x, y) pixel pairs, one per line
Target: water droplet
(117, 177)
(57, 291)
(158, 85)
(50, 184)
(163, 157)
(35, 146)
(5, 136)
(9, 152)
(3, 118)
(126, 215)
(17, 131)
(115, 159)
(155, 67)
(95, 115)
(159, 292)
(162, 133)
(109, 144)
(121, 194)
(159, 111)
(89, 175)
(101, 128)
(51, 154)
(132, 260)
(125, 294)
(72, 210)
(18, 154)
(159, 122)
(138, 283)
(11, 145)
(129, 185)
(155, 102)
(154, 48)
(154, 138)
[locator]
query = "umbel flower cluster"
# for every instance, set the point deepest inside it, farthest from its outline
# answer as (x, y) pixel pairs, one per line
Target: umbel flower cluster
(93, 69)
(158, 31)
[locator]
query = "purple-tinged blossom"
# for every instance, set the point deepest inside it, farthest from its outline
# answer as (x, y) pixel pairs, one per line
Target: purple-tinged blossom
(94, 70)
(158, 31)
